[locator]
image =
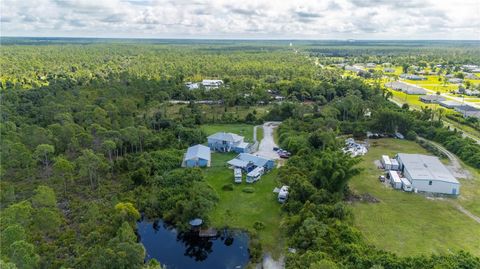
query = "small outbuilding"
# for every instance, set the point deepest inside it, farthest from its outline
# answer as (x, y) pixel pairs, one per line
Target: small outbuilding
(197, 156)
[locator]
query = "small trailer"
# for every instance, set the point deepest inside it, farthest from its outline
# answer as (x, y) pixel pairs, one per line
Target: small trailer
(255, 174)
(387, 164)
(406, 185)
(395, 179)
(394, 165)
(237, 175)
(283, 194)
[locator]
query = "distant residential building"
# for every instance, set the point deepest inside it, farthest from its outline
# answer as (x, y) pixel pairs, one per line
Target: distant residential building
(412, 77)
(370, 65)
(197, 156)
(406, 88)
(422, 72)
(427, 174)
(279, 98)
(389, 70)
(212, 83)
(471, 76)
(470, 67)
(192, 85)
(468, 111)
(468, 92)
(455, 80)
(226, 142)
(431, 98)
(354, 68)
(472, 92)
(449, 104)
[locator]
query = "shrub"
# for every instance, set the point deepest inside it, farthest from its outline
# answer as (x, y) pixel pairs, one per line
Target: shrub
(258, 225)
(227, 187)
(255, 248)
(411, 135)
(248, 190)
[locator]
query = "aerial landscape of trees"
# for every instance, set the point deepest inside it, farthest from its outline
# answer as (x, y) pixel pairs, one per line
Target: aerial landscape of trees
(91, 143)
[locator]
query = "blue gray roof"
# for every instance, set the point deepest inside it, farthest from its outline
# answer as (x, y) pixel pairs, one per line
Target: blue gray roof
(256, 160)
(424, 167)
(230, 137)
(238, 163)
(198, 152)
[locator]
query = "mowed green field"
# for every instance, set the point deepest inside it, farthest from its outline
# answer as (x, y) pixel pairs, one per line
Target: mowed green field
(237, 209)
(411, 224)
(245, 130)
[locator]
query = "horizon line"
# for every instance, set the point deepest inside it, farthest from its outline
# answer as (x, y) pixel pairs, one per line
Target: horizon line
(233, 38)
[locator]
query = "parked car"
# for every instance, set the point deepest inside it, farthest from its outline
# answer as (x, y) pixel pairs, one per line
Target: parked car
(276, 148)
(381, 178)
(284, 155)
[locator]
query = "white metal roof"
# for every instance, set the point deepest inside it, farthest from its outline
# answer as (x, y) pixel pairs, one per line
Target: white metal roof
(198, 151)
(424, 167)
(255, 172)
(230, 137)
(386, 159)
(394, 176)
(238, 163)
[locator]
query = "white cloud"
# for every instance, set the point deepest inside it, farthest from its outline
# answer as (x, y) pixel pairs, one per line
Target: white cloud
(358, 19)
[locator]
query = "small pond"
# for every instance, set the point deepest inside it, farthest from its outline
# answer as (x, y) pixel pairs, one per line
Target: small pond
(187, 250)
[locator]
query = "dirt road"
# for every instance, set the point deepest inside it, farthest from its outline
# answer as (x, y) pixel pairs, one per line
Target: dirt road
(267, 144)
(455, 167)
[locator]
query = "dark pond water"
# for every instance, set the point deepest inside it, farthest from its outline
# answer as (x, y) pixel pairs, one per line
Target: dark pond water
(187, 250)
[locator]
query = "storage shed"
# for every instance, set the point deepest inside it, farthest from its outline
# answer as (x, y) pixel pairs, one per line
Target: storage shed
(428, 174)
(197, 156)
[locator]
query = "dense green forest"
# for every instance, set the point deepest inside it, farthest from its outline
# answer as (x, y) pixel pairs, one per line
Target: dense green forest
(89, 144)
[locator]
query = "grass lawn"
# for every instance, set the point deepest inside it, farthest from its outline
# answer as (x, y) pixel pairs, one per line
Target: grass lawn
(410, 224)
(259, 133)
(245, 130)
(470, 190)
(412, 100)
(237, 209)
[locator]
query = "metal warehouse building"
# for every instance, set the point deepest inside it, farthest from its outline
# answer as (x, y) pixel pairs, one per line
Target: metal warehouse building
(428, 174)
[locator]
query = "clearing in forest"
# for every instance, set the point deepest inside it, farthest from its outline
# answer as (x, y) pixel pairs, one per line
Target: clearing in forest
(408, 223)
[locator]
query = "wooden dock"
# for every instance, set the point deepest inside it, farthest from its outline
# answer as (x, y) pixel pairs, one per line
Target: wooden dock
(209, 232)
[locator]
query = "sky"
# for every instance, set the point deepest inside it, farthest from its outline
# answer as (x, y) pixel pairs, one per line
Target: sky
(243, 19)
